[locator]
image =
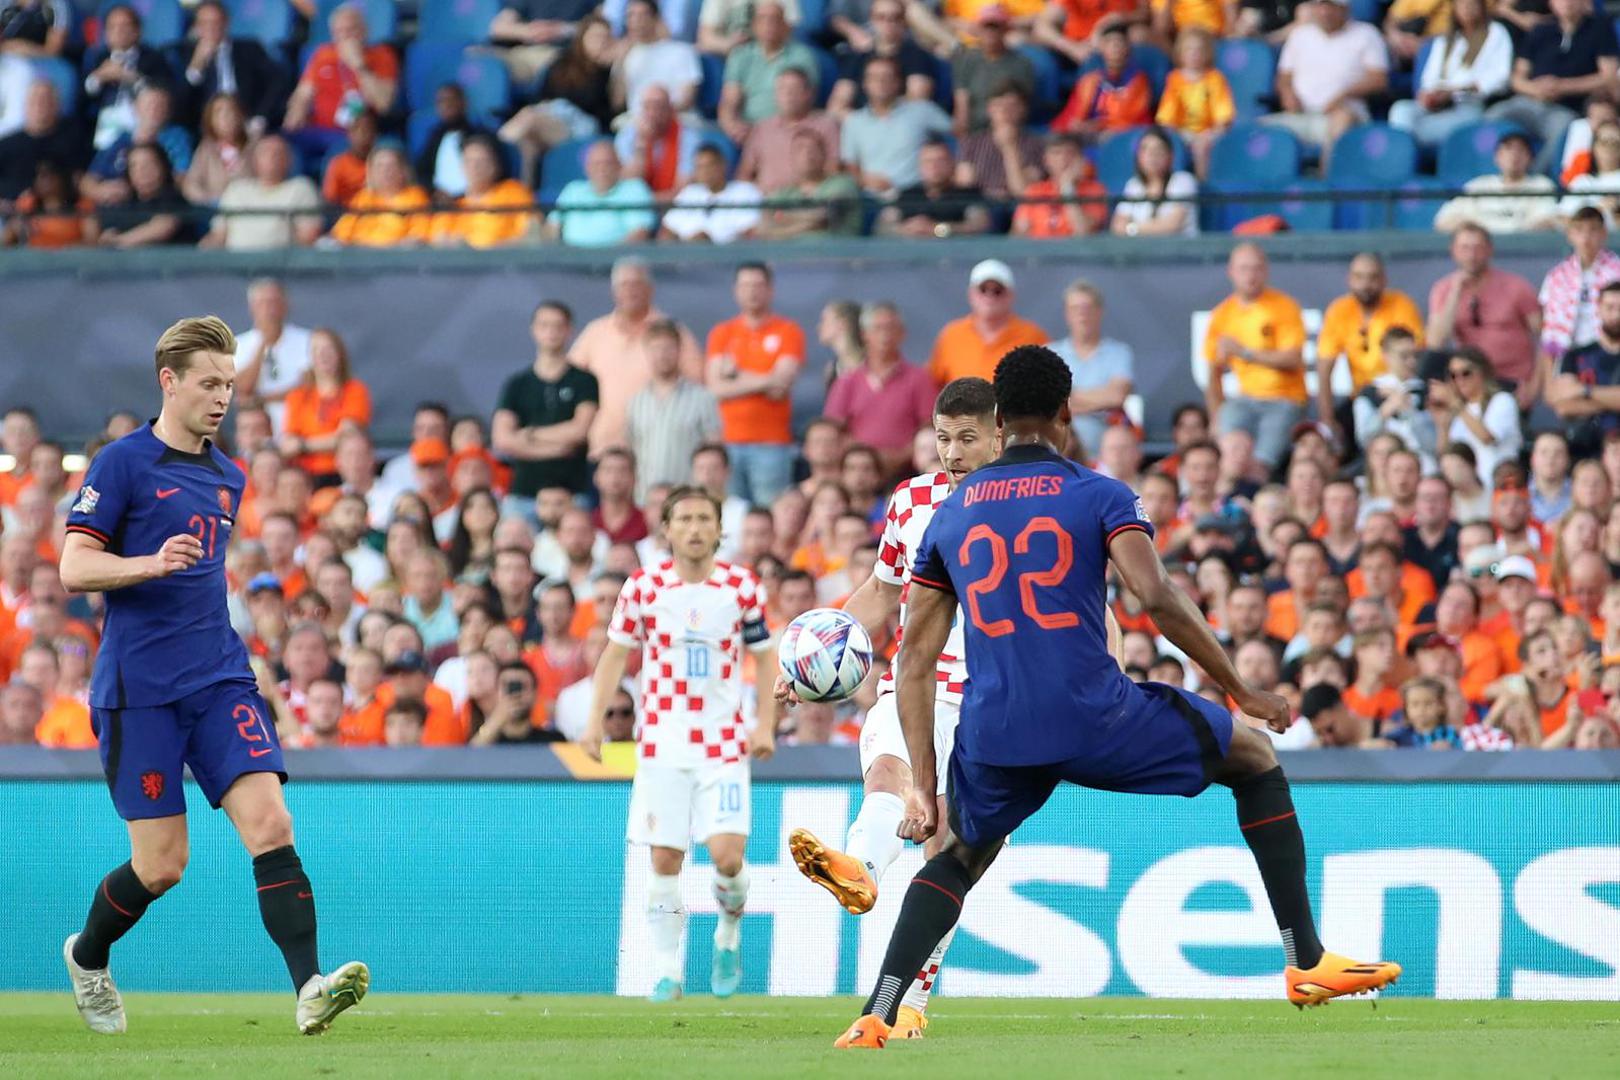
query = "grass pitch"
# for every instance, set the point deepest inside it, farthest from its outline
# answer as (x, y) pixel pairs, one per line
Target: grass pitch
(750, 1038)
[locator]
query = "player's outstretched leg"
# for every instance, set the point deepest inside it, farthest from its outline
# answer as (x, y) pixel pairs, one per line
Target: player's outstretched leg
(872, 844)
(666, 922)
(731, 893)
(1265, 808)
(911, 1022)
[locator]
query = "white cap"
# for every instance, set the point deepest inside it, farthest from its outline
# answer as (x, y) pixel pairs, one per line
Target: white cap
(991, 270)
(1516, 566)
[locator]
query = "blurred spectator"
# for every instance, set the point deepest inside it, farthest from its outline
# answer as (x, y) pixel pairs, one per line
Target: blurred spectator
(710, 208)
(1150, 207)
(388, 188)
(45, 134)
(1466, 67)
(605, 208)
(544, 414)
(16, 76)
(882, 141)
(1258, 333)
(888, 37)
(438, 167)
(222, 151)
(519, 716)
(104, 182)
(345, 173)
(1102, 368)
(21, 710)
(407, 680)
(323, 714)
(767, 154)
(978, 73)
(427, 600)
(655, 57)
(213, 63)
(1504, 202)
(1171, 18)
(1557, 66)
(1370, 695)
(154, 211)
(559, 660)
(1430, 542)
(328, 403)
(656, 146)
(1423, 721)
(671, 416)
(272, 357)
(1113, 97)
(839, 331)
(1549, 477)
(973, 344)
(823, 447)
(65, 723)
(512, 594)
(529, 33)
(115, 70)
(575, 98)
(342, 77)
(817, 202)
(1492, 310)
(1069, 202)
(1119, 455)
(1599, 187)
(1586, 391)
(616, 515)
(1197, 101)
(1408, 23)
(1354, 327)
(887, 399)
(490, 213)
(723, 25)
(1327, 70)
(1570, 291)
(287, 205)
(1071, 28)
(936, 205)
(711, 471)
(749, 92)
(1005, 158)
(36, 28)
(1456, 615)
(1577, 153)
(752, 362)
(50, 214)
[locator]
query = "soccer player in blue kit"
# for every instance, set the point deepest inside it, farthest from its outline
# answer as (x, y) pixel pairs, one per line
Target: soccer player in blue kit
(1023, 544)
(172, 686)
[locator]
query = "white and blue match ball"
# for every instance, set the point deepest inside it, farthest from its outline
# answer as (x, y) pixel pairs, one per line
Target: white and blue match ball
(825, 655)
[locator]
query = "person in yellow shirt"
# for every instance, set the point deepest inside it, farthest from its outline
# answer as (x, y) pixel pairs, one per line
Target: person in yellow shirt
(1409, 23)
(487, 190)
(1170, 17)
(388, 187)
(975, 343)
(1353, 327)
(1197, 100)
(1257, 333)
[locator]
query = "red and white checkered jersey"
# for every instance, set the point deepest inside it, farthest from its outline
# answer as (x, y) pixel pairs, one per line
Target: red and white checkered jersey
(911, 508)
(692, 637)
(1484, 737)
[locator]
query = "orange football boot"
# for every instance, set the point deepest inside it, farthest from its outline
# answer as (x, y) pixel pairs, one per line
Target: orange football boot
(839, 874)
(1337, 976)
(867, 1033)
(910, 1024)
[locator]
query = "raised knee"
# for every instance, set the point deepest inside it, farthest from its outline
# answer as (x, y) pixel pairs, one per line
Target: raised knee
(160, 873)
(268, 830)
(728, 865)
(888, 773)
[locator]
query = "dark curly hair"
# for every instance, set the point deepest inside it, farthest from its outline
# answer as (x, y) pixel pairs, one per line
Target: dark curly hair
(1032, 382)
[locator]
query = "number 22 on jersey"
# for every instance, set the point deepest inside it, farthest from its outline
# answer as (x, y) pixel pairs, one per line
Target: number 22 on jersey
(1028, 580)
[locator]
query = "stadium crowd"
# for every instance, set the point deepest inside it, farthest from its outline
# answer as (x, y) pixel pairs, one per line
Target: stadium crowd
(480, 123)
(1419, 565)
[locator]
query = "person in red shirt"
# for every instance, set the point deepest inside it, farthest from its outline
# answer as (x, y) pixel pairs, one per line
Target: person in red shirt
(1068, 176)
(1114, 97)
(616, 514)
(341, 78)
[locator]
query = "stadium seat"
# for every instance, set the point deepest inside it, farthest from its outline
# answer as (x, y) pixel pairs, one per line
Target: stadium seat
(380, 20)
(1373, 155)
(1150, 58)
(463, 21)
(826, 74)
(1302, 215)
(1250, 68)
(1415, 210)
(562, 163)
(269, 22)
(1048, 80)
(1116, 157)
(1470, 151)
(66, 78)
(1255, 155)
(1368, 11)
(431, 64)
(714, 72)
(713, 136)
(162, 22)
(812, 19)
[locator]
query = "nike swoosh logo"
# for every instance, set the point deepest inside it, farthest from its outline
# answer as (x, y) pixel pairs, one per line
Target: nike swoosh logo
(164, 493)
(260, 753)
(306, 896)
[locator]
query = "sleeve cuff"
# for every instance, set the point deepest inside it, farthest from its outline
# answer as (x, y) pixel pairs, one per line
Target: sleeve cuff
(1127, 527)
(938, 586)
(89, 531)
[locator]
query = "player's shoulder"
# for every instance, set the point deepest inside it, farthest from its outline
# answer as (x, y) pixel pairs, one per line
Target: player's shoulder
(734, 576)
(228, 468)
(923, 490)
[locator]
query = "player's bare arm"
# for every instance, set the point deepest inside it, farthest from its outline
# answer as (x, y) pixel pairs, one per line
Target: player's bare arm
(928, 626)
(1116, 637)
(609, 674)
(87, 565)
(1174, 614)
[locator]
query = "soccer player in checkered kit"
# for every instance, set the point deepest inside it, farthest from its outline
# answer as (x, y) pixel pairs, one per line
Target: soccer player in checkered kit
(692, 617)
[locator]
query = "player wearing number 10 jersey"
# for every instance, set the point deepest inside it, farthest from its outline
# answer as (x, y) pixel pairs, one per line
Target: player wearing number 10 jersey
(1024, 543)
(172, 687)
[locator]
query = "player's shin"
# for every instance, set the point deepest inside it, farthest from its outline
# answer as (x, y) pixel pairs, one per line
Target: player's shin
(731, 893)
(933, 904)
(873, 838)
(287, 906)
(1265, 808)
(666, 919)
(923, 985)
(120, 902)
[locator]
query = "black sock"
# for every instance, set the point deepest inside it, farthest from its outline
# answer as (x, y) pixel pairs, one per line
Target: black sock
(120, 902)
(932, 906)
(1266, 814)
(287, 904)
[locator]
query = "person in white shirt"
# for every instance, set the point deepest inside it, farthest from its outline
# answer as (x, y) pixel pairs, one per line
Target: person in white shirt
(1599, 188)
(1327, 70)
(1144, 211)
(1471, 408)
(655, 58)
(1465, 68)
(710, 208)
(1501, 202)
(273, 357)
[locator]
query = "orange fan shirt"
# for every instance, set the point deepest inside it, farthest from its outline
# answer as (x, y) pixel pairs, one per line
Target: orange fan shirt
(755, 418)
(1196, 103)
(1273, 320)
(960, 351)
(311, 415)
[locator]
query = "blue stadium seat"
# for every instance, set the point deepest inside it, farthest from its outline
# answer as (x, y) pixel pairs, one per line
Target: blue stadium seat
(1250, 68)
(561, 164)
(1415, 210)
(66, 78)
(1048, 79)
(1373, 155)
(716, 138)
(464, 21)
(714, 70)
(826, 73)
(1368, 11)
(1469, 151)
(1116, 157)
(812, 18)
(1254, 155)
(431, 64)
(162, 23)
(1302, 215)
(269, 22)
(380, 20)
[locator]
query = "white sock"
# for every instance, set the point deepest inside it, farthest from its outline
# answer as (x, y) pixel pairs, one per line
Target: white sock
(667, 919)
(731, 893)
(917, 994)
(872, 837)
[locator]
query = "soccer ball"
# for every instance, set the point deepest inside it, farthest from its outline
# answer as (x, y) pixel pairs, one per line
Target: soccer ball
(825, 654)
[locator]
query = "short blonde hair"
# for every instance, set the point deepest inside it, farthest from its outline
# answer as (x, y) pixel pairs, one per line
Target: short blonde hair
(200, 333)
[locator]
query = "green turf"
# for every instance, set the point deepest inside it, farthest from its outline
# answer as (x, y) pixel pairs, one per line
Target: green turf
(396, 1036)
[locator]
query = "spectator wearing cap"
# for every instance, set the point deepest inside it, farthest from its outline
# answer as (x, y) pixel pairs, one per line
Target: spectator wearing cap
(748, 93)
(1510, 200)
(430, 460)
(288, 206)
(936, 205)
(1571, 290)
(1431, 540)
(1258, 333)
(975, 343)
(115, 70)
(883, 402)
(1004, 157)
(342, 76)
(1328, 69)
(604, 208)
(1470, 407)
(1354, 326)
(766, 159)
(1490, 309)
(1561, 62)
(267, 611)
(883, 141)
(544, 413)
(712, 209)
(885, 34)
(1069, 202)
(1114, 97)
(982, 71)
(1102, 368)
(656, 147)
(1586, 391)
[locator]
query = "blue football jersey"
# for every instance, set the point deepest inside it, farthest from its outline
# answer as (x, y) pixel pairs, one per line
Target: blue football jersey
(167, 638)
(1022, 543)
